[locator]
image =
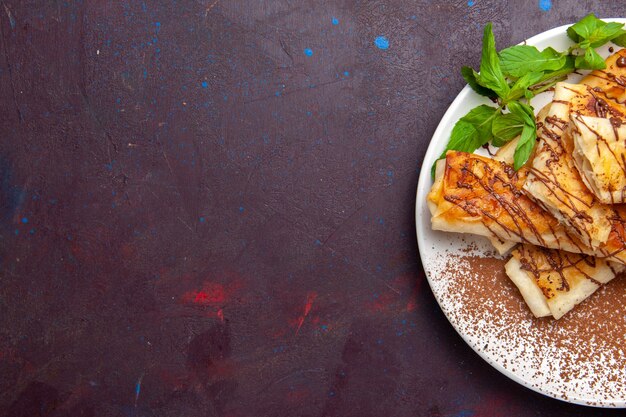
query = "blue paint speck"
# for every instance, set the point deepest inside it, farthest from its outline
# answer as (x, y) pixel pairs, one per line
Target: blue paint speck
(381, 42)
(137, 388)
(318, 242)
(545, 5)
(346, 73)
(309, 113)
(241, 209)
(465, 413)
(202, 219)
(335, 21)
(308, 52)
(24, 220)
(277, 94)
(471, 3)
(324, 326)
(205, 84)
(32, 231)
(17, 232)
(413, 17)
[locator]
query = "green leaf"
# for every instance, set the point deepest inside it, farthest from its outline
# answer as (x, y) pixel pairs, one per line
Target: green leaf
(491, 75)
(568, 67)
(583, 28)
(521, 85)
(505, 127)
(528, 95)
(593, 32)
(591, 60)
(552, 77)
(607, 32)
(472, 131)
(571, 33)
(523, 111)
(519, 60)
(471, 77)
(525, 146)
(620, 40)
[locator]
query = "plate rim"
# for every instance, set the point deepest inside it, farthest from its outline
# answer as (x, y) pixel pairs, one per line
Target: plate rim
(425, 182)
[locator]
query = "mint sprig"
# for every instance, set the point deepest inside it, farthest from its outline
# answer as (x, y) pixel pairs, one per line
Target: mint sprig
(514, 76)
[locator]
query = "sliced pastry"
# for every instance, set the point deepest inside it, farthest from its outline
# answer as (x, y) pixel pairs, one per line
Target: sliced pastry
(482, 196)
(553, 180)
(552, 282)
(600, 156)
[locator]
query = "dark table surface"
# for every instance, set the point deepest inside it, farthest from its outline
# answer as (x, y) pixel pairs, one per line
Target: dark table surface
(207, 207)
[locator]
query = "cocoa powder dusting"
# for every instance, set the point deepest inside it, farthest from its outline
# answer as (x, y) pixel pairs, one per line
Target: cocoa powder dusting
(579, 357)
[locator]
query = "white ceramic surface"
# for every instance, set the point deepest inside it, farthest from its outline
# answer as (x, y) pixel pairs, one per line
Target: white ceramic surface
(437, 249)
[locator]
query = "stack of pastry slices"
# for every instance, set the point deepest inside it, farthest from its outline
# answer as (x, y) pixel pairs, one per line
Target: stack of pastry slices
(563, 215)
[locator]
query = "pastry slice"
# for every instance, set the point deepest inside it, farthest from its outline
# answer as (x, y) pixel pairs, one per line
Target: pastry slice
(482, 196)
(553, 181)
(600, 156)
(553, 282)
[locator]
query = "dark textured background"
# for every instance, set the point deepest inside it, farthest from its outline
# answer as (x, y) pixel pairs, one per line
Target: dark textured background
(207, 207)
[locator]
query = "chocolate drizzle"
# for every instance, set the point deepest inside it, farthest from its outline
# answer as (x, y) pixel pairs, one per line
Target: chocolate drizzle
(543, 263)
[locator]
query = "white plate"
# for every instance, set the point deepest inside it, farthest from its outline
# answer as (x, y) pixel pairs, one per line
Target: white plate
(569, 359)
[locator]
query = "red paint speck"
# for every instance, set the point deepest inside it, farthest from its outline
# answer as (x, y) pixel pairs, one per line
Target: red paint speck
(220, 314)
(211, 293)
(310, 298)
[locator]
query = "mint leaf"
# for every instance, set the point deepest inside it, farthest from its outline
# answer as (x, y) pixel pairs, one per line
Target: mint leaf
(518, 60)
(620, 40)
(491, 75)
(607, 32)
(583, 28)
(525, 146)
(471, 131)
(521, 85)
(593, 32)
(471, 77)
(523, 111)
(505, 127)
(591, 60)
